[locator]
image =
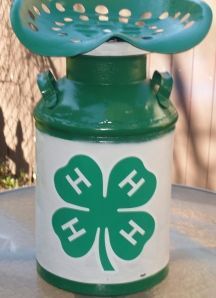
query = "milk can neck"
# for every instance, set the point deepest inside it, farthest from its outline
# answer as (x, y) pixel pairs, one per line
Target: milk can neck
(107, 70)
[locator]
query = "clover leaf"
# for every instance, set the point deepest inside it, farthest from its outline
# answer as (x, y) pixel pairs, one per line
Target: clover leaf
(113, 216)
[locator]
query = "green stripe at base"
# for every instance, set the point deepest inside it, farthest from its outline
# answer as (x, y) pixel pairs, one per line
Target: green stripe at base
(102, 289)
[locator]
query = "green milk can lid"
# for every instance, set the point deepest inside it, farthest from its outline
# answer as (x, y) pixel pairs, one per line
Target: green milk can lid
(67, 27)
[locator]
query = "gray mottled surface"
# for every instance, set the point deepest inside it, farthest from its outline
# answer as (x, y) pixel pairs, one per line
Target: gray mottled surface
(193, 248)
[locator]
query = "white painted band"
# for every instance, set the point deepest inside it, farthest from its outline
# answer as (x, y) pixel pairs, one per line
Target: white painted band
(54, 153)
(116, 48)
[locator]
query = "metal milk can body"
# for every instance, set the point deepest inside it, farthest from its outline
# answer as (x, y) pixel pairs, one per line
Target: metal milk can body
(104, 151)
(104, 138)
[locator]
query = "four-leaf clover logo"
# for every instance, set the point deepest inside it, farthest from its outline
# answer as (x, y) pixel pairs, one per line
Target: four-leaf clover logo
(111, 212)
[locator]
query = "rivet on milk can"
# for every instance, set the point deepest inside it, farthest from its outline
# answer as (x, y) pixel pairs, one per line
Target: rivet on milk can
(104, 138)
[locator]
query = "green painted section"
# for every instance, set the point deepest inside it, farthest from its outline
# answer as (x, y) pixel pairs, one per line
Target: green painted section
(106, 99)
(113, 213)
(102, 289)
(107, 70)
(67, 30)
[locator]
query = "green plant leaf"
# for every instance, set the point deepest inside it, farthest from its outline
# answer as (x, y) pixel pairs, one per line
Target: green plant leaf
(130, 184)
(79, 182)
(76, 231)
(129, 232)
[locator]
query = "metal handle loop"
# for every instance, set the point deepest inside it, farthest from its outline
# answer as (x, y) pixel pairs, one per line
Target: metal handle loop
(162, 86)
(47, 85)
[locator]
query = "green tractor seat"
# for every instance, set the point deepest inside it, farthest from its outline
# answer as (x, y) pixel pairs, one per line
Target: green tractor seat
(68, 27)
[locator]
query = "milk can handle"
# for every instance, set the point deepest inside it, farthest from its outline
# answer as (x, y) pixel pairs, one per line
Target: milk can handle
(47, 85)
(161, 84)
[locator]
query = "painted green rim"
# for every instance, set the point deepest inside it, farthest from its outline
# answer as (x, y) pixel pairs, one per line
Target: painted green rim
(106, 99)
(92, 137)
(102, 289)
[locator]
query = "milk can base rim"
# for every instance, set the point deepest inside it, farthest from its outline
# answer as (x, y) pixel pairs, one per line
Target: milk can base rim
(102, 289)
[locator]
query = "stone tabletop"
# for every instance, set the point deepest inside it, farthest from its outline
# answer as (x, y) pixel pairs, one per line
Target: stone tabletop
(193, 248)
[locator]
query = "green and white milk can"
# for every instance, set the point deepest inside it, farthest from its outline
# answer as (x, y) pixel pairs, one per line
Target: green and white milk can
(105, 138)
